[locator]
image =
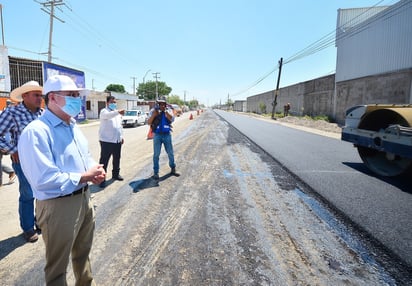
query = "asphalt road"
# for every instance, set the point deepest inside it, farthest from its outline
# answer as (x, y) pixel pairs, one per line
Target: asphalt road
(234, 216)
(332, 168)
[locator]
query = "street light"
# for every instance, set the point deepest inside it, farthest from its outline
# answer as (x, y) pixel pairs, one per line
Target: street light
(143, 83)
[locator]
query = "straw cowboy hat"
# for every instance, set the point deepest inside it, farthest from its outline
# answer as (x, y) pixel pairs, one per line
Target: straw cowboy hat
(33, 85)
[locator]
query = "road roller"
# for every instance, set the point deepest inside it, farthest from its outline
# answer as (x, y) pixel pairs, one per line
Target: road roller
(383, 136)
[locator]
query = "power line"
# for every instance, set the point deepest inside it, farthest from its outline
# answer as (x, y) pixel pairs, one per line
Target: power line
(49, 9)
(321, 44)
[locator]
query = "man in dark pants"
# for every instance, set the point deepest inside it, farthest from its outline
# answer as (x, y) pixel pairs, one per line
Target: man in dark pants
(111, 137)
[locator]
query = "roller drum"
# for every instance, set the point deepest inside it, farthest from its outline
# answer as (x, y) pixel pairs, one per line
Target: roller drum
(380, 162)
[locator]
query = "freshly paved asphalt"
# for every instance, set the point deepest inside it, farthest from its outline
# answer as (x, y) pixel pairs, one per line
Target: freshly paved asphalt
(333, 169)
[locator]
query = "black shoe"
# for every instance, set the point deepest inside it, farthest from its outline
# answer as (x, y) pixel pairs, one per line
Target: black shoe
(156, 177)
(118, 177)
(173, 172)
(102, 184)
(31, 235)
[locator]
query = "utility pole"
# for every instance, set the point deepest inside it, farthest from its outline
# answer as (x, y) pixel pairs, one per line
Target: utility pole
(274, 103)
(49, 9)
(134, 84)
(184, 97)
(2, 28)
(156, 76)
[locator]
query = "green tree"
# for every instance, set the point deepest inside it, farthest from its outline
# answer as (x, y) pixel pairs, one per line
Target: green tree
(262, 107)
(147, 90)
(116, 88)
(175, 99)
(193, 104)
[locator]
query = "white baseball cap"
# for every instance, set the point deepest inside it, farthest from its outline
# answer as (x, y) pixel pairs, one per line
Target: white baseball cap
(60, 83)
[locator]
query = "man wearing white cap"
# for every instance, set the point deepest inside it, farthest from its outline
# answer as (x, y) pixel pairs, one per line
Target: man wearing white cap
(59, 166)
(12, 122)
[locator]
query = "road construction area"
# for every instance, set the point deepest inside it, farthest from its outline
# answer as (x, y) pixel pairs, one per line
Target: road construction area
(233, 217)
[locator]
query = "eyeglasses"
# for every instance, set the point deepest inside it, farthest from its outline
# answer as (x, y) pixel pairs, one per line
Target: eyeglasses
(71, 94)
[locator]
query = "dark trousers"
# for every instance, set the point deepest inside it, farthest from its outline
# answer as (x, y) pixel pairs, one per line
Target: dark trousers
(108, 149)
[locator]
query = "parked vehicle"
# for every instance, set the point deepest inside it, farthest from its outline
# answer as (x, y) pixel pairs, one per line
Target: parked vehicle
(134, 118)
(177, 110)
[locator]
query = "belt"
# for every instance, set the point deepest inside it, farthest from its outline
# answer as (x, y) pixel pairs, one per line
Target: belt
(77, 192)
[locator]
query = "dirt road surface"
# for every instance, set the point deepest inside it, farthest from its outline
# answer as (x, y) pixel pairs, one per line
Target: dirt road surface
(233, 217)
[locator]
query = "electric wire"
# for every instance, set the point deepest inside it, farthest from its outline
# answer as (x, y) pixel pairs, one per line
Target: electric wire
(329, 39)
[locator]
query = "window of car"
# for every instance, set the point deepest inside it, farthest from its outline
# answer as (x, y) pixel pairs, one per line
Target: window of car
(131, 113)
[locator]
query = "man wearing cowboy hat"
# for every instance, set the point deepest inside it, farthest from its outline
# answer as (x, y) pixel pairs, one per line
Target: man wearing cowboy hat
(13, 120)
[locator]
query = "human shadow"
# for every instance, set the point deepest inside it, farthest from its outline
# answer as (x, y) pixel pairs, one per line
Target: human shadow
(401, 182)
(8, 245)
(143, 184)
(149, 182)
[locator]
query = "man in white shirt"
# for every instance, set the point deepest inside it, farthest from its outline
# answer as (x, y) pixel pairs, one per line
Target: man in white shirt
(111, 137)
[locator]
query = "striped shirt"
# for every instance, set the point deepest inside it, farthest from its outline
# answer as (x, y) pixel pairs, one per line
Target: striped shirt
(13, 120)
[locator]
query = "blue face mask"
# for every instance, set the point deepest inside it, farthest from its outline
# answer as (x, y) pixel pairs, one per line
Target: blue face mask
(113, 106)
(73, 105)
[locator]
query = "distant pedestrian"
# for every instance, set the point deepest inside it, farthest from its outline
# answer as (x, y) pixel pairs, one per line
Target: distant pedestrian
(111, 137)
(12, 122)
(160, 120)
(57, 162)
(286, 109)
(7, 170)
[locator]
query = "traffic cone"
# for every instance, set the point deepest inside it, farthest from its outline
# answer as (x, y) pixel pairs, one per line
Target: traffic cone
(150, 134)
(191, 116)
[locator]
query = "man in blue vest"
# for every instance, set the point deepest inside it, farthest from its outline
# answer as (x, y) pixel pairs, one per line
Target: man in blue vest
(160, 120)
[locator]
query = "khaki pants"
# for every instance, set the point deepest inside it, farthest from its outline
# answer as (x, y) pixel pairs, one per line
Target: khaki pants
(67, 226)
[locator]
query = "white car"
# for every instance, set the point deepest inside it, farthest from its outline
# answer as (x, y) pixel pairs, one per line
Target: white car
(134, 118)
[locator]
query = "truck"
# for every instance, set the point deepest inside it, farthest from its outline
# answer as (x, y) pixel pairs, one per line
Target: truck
(382, 134)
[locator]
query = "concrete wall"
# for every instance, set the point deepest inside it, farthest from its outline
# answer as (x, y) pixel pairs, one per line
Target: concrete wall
(239, 105)
(318, 97)
(394, 87)
(313, 97)
(256, 102)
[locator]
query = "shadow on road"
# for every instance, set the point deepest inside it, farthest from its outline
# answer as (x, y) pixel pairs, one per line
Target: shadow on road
(143, 184)
(10, 244)
(149, 182)
(402, 182)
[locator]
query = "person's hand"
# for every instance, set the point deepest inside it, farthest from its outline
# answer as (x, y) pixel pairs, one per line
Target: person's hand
(121, 111)
(95, 174)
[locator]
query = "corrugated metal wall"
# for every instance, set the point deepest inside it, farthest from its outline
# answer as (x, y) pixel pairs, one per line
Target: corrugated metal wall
(380, 44)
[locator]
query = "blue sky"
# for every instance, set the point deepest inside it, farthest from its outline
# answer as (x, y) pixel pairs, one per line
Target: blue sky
(206, 50)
